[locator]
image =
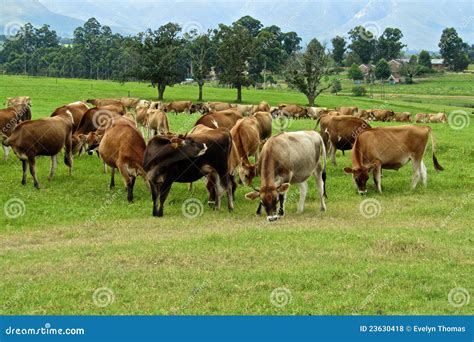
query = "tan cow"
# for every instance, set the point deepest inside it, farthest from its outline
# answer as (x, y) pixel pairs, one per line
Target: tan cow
(179, 106)
(364, 114)
(16, 101)
(158, 122)
(390, 148)
(224, 118)
(105, 102)
(348, 110)
(289, 158)
(437, 118)
(421, 118)
(129, 102)
(218, 106)
(9, 118)
(295, 111)
(402, 117)
(315, 112)
(77, 109)
(382, 114)
(263, 106)
(245, 110)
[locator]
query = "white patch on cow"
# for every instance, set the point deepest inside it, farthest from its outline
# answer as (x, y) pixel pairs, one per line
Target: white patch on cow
(272, 218)
(202, 151)
(339, 138)
(68, 112)
(214, 122)
(326, 131)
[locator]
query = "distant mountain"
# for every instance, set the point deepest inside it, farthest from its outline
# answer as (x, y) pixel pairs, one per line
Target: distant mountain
(421, 21)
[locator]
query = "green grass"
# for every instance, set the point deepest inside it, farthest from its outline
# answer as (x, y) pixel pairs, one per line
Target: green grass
(76, 235)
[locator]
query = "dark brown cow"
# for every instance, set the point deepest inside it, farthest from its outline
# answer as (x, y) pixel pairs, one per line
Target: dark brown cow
(42, 137)
(77, 110)
(9, 118)
(225, 118)
(339, 132)
(390, 148)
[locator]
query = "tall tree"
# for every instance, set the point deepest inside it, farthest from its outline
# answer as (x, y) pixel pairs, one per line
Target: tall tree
(251, 24)
(202, 53)
(453, 50)
(338, 49)
(355, 73)
(389, 45)
(382, 70)
(424, 59)
(308, 71)
(363, 43)
(236, 49)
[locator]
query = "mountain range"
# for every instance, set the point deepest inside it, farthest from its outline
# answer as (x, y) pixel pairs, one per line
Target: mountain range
(421, 21)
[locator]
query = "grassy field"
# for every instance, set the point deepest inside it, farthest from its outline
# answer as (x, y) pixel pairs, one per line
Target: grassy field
(76, 247)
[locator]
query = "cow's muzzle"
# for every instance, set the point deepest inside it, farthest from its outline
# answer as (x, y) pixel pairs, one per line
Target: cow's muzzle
(272, 218)
(362, 193)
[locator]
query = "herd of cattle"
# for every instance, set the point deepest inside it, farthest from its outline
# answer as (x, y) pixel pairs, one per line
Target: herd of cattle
(219, 146)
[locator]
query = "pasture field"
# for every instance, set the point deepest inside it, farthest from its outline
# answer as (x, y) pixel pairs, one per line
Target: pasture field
(75, 238)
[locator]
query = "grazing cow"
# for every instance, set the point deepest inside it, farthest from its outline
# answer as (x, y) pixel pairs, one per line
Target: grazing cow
(247, 136)
(436, 118)
(382, 114)
(42, 137)
(315, 112)
(105, 102)
(199, 108)
(179, 106)
(402, 117)
(340, 132)
(122, 147)
(294, 111)
(224, 118)
(199, 154)
(364, 114)
(348, 110)
(158, 122)
(289, 158)
(77, 109)
(16, 101)
(390, 148)
(261, 107)
(218, 106)
(421, 118)
(9, 118)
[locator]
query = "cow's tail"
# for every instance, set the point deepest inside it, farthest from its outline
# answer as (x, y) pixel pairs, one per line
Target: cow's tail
(323, 152)
(436, 164)
(141, 171)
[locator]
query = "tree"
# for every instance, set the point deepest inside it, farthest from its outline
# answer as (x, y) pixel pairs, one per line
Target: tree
(291, 43)
(470, 52)
(453, 50)
(336, 86)
(382, 70)
(411, 69)
(355, 73)
(338, 49)
(251, 24)
(352, 58)
(424, 59)
(236, 49)
(161, 57)
(202, 53)
(363, 43)
(308, 71)
(358, 90)
(389, 45)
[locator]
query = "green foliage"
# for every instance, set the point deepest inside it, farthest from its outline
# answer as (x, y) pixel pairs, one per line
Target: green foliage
(352, 58)
(424, 59)
(338, 49)
(363, 43)
(453, 50)
(355, 73)
(382, 70)
(358, 90)
(389, 45)
(336, 86)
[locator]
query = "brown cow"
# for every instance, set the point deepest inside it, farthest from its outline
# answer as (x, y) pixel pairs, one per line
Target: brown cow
(129, 102)
(390, 148)
(225, 118)
(179, 106)
(364, 114)
(294, 111)
(348, 110)
(42, 137)
(77, 109)
(105, 102)
(382, 114)
(218, 106)
(421, 118)
(340, 132)
(158, 122)
(402, 117)
(16, 101)
(263, 106)
(436, 118)
(9, 118)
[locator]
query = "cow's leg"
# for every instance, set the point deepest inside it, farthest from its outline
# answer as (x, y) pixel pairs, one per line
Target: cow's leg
(416, 173)
(165, 190)
(259, 209)
(130, 186)
(190, 187)
(112, 178)
(25, 168)
(211, 189)
(218, 191)
(32, 163)
(424, 173)
(318, 175)
(378, 177)
(332, 153)
(54, 165)
(6, 151)
(228, 186)
(154, 195)
(127, 179)
(303, 192)
(281, 199)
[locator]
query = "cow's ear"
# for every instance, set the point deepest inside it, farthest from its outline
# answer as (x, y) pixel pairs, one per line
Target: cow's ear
(283, 188)
(348, 170)
(252, 195)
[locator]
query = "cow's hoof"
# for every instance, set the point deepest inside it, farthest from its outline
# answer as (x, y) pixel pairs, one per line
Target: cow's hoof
(23, 182)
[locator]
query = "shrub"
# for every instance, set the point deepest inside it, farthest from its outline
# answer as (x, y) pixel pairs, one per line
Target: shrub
(358, 90)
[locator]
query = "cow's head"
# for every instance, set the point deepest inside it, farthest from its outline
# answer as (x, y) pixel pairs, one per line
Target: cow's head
(93, 141)
(360, 175)
(247, 173)
(268, 196)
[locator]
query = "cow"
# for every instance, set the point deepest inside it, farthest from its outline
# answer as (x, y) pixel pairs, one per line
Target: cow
(122, 147)
(348, 110)
(340, 132)
(198, 108)
(225, 118)
(218, 106)
(77, 109)
(315, 112)
(9, 118)
(261, 107)
(437, 118)
(105, 102)
(421, 118)
(390, 148)
(16, 101)
(244, 110)
(294, 111)
(42, 137)
(382, 114)
(365, 114)
(158, 122)
(289, 158)
(198, 154)
(129, 102)
(247, 135)
(179, 106)
(402, 117)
